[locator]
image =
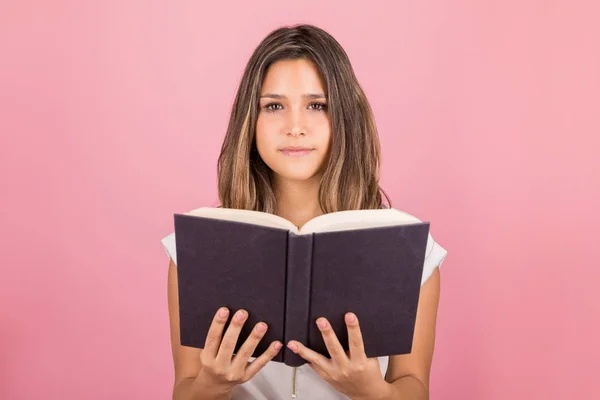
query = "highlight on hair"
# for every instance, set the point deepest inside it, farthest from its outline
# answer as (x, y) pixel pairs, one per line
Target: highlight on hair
(350, 178)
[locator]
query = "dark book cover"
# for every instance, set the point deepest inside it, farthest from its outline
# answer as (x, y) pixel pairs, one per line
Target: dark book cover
(288, 280)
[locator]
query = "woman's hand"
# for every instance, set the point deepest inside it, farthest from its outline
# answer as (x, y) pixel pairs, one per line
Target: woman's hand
(352, 373)
(221, 371)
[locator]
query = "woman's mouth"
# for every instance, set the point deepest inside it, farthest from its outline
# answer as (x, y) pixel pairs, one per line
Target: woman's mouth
(296, 151)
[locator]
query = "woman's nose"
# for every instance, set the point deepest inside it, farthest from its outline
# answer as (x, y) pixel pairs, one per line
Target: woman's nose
(296, 123)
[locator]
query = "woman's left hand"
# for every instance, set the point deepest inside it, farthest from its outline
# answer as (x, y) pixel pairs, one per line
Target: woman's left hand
(352, 373)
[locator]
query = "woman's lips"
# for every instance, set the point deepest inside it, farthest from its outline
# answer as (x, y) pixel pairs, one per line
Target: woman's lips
(296, 151)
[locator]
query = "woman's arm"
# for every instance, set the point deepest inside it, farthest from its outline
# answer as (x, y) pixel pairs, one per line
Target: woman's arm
(358, 377)
(213, 372)
(186, 390)
(186, 359)
(408, 374)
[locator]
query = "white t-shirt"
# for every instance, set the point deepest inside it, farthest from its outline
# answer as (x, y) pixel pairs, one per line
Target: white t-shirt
(276, 380)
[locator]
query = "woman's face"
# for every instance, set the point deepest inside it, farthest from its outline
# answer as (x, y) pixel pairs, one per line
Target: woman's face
(293, 131)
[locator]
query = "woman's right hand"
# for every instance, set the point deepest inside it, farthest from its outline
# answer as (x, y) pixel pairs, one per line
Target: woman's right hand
(219, 372)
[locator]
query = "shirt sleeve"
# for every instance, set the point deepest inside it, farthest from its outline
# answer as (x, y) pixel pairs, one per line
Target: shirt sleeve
(434, 257)
(169, 245)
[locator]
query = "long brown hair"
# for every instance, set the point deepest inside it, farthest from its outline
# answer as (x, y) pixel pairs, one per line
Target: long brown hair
(351, 176)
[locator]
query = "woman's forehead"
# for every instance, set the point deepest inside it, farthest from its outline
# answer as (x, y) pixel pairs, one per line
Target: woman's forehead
(298, 77)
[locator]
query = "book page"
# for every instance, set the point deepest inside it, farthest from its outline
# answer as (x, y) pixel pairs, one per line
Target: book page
(246, 216)
(357, 219)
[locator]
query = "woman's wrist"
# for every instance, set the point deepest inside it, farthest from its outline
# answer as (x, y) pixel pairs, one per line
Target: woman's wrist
(207, 390)
(383, 391)
(198, 389)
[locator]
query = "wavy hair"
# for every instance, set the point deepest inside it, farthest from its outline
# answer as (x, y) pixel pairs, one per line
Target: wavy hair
(350, 180)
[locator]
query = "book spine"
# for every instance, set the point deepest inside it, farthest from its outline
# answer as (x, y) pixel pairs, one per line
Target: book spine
(297, 297)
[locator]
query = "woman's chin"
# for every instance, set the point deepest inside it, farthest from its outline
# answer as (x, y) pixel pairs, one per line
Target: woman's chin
(298, 175)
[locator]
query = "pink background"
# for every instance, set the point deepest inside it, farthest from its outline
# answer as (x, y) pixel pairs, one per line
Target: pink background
(112, 115)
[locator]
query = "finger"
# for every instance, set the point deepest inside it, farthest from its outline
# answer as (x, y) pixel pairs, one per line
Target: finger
(335, 349)
(213, 337)
(320, 371)
(355, 340)
(256, 365)
(309, 355)
(245, 352)
(231, 337)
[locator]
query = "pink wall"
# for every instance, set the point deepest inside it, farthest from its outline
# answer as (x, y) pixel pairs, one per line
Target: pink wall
(112, 116)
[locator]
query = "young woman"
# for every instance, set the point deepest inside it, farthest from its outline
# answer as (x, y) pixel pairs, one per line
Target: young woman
(302, 142)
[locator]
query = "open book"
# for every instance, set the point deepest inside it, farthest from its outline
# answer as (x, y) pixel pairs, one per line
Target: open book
(369, 262)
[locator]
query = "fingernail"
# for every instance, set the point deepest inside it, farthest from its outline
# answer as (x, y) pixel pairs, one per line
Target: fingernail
(240, 315)
(278, 345)
(322, 323)
(293, 346)
(260, 328)
(350, 318)
(223, 313)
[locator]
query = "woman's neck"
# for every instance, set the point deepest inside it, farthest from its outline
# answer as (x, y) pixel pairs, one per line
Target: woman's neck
(298, 202)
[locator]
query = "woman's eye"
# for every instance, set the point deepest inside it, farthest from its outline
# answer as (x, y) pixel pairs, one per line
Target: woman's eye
(273, 107)
(277, 106)
(318, 106)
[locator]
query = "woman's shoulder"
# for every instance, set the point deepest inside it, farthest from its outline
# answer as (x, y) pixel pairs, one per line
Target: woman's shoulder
(435, 254)
(168, 241)
(169, 246)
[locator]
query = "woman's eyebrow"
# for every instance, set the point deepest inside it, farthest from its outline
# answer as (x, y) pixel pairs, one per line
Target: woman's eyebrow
(281, 96)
